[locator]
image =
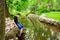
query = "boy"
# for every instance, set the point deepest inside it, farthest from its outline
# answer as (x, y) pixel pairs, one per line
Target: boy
(20, 26)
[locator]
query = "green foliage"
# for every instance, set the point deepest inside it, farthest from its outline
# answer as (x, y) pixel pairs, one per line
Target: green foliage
(54, 15)
(35, 6)
(47, 6)
(55, 5)
(16, 6)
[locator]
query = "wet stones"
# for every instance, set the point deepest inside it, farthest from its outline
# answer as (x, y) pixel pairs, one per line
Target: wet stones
(43, 18)
(33, 16)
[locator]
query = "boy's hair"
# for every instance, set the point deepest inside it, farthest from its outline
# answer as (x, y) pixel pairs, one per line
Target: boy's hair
(18, 14)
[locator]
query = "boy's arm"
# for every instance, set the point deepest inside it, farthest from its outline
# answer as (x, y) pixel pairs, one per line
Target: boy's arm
(14, 23)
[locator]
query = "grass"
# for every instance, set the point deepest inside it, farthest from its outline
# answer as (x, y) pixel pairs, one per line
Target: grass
(54, 15)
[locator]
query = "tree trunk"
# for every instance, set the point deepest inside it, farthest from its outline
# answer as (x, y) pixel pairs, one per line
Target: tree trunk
(6, 10)
(2, 20)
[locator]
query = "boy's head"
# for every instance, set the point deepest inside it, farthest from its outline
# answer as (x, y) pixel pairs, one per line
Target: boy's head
(18, 14)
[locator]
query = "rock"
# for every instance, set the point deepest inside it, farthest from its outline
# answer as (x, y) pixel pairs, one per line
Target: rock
(11, 34)
(10, 30)
(43, 15)
(55, 23)
(59, 23)
(41, 19)
(46, 21)
(33, 16)
(11, 39)
(51, 21)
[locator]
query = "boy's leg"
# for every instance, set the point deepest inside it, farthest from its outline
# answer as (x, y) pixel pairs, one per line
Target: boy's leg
(21, 31)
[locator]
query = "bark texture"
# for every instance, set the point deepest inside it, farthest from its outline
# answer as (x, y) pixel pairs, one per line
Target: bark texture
(2, 20)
